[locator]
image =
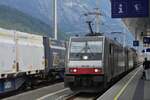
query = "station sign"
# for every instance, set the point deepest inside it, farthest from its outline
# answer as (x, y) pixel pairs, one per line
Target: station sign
(129, 8)
(136, 43)
(146, 40)
(148, 50)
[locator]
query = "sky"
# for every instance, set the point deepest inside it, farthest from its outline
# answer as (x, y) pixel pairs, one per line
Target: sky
(70, 15)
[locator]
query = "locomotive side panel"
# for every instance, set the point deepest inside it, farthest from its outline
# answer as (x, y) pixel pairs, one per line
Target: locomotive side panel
(107, 61)
(131, 59)
(121, 61)
(114, 60)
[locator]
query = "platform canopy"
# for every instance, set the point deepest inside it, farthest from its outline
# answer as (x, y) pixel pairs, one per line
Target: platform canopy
(138, 24)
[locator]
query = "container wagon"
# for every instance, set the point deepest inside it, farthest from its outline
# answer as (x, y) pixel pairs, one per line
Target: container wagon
(25, 56)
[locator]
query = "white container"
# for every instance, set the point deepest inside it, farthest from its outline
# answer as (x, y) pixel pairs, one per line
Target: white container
(20, 52)
(30, 52)
(7, 52)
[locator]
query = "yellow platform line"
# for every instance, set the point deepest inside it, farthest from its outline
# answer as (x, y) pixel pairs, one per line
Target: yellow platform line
(125, 86)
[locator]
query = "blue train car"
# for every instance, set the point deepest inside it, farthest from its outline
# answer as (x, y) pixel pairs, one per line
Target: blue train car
(11, 84)
(54, 58)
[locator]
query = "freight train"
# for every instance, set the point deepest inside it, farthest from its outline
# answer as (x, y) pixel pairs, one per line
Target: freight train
(25, 57)
(95, 61)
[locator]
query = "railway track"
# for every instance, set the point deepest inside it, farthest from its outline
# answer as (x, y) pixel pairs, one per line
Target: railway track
(92, 96)
(83, 96)
(63, 95)
(27, 89)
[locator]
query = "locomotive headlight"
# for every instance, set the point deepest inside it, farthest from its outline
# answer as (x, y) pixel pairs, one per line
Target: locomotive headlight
(75, 70)
(85, 57)
(96, 70)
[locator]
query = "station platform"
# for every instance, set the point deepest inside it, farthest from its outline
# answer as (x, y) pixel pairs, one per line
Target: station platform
(131, 87)
(37, 93)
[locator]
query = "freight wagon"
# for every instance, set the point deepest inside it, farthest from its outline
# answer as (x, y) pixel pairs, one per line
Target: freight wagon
(25, 55)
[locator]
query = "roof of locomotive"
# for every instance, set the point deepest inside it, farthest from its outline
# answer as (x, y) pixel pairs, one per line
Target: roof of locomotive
(94, 38)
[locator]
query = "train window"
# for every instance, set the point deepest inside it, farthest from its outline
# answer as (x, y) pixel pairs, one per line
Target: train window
(77, 47)
(95, 46)
(92, 50)
(86, 47)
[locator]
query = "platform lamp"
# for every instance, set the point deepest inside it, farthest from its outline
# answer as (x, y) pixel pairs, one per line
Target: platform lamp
(142, 35)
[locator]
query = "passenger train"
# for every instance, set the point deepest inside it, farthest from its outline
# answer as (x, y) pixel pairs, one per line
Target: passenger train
(94, 61)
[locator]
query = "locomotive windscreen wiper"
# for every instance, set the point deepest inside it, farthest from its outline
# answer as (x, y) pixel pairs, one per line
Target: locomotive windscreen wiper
(86, 49)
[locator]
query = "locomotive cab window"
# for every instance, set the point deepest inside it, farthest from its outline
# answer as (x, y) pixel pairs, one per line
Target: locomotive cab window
(86, 50)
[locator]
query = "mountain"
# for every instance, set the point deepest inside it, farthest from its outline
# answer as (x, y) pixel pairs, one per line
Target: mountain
(29, 7)
(70, 12)
(71, 19)
(11, 18)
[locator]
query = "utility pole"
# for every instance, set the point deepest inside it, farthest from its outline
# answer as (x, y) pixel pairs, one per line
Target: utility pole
(55, 19)
(97, 20)
(97, 16)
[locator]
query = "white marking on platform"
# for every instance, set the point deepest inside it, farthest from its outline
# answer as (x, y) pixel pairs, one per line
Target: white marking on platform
(125, 86)
(52, 94)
